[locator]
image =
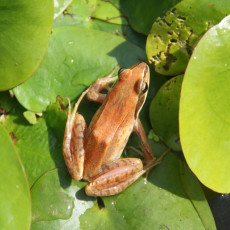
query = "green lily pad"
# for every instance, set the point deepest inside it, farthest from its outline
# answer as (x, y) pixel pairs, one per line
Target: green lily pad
(108, 12)
(205, 109)
(164, 112)
(164, 201)
(60, 6)
(15, 196)
(54, 201)
(72, 62)
(39, 145)
(79, 14)
(58, 201)
(173, 37)
(142, 14)
(25, 28)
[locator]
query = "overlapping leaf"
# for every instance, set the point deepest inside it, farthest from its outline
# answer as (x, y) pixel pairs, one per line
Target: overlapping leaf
(15, 200)
(164, 111)
(25, 28)
(173, 37)
(205, 109)
(142, 14)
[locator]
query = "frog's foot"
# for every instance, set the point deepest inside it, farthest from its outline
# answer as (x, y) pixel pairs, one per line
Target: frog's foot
(100, 84)
(150, 165)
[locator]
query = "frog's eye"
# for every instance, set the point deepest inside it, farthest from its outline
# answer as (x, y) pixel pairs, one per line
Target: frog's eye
(141, 87)
(144, 87)
(121, 70)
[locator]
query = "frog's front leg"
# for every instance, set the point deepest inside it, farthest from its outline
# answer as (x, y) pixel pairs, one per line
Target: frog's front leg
(100, 84)
(147, 149)
(150, 159)
(115, 176)
(73, 142)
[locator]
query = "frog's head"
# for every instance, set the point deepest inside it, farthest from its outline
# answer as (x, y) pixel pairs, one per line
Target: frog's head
(138, 76)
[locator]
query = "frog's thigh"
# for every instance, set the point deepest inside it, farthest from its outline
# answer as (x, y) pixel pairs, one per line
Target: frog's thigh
(115, 177)
(73, 147)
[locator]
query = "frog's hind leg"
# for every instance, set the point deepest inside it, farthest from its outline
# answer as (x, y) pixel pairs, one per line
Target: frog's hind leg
(100, 84)
(73, 142)
(115, 177)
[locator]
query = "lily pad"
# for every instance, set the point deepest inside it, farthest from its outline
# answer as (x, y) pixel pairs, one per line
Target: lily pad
(64, 202)
(108, 12)
(164, 112)
(15, 195)
(80, 12)
(54, 201)
(142, 14)
(173, 37)
(39, 145)
(164, 202)
(77, 14)
(72, 62)
(25, 28)
(59, 202)
(205, 109)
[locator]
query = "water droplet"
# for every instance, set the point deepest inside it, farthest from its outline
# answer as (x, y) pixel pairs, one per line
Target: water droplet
(70, 43)
(69, 61)
(224, 31)
(17, 186)
(225, 64)
(195, 57)
(112, 202)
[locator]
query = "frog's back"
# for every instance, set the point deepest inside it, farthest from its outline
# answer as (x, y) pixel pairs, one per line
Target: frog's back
(110, 127)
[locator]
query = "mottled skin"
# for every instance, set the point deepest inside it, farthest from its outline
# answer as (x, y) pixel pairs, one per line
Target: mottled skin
(93, 153)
